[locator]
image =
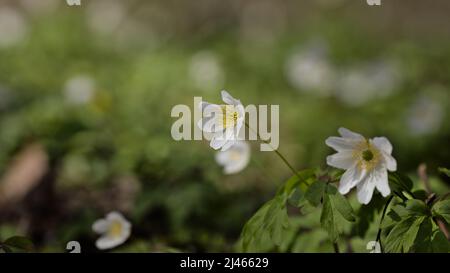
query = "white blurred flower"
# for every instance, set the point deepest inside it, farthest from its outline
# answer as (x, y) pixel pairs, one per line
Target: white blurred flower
(79, 90)
(224, 121)
(234, 159)
(104, 16)
(114, 230)
(205, 70)
(425, 116)
(359, 85)
(13, 27)
(366, 162)
(310, 71)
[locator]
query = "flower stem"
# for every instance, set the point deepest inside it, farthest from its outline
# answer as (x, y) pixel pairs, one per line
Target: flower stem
(275, 150)
(381, 221)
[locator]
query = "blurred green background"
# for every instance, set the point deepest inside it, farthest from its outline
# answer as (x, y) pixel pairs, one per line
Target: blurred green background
(86, 93)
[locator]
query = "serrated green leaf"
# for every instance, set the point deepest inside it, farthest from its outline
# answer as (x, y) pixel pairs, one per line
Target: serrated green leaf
(297, 198)
(439, 243)
(266, 227)
(315, 192)
(328, 220)
(422, 244)
(400, 183)
(417, 208)
(342, 205)
(402, 236)
(442, 209)
(302, 180)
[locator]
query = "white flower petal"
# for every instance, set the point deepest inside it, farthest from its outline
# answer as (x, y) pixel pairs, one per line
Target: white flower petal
(341, 160)
(365, 190)
(340, 143)
(351, 178)
(100, 226)
(391, 163)
(228, 145)
(106, 242)
(344, 132)
(383, 144)
(235, 158)
(217, 142)
(228, 99)
(380, 178)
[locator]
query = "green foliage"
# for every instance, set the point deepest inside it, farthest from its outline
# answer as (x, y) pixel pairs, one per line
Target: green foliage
(411, 229)
(266, 227)
(444, 171)
(271, 220)
(401, 185)
(17, 244)
(334, 204)
(442, 209)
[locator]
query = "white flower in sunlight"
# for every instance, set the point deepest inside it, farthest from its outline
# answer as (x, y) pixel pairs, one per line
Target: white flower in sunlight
(13, 27)
(366, 162)
(234, 159)
(425, 116)
(360, 84)
(310, 71)
(79, 90)
(115, 230)
(223, 121)
(205, 70)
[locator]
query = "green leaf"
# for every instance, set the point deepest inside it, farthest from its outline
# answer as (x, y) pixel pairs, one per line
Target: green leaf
(417, 208)
(297, 198)
(439, 243)
(402, 236)
(420, 194)
(422, 244)
(267, 227)
(328, 219)
(442, 209)
(444, 171)
(334, 204)
(302, 180)
(400, 183)
(5, 249)
(342, 205)
(315, 192)
(19, 242)
(366, 215)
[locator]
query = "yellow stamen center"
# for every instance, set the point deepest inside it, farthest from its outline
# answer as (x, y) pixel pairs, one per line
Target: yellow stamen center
(367, 156)
(115, 229)
(230, 116)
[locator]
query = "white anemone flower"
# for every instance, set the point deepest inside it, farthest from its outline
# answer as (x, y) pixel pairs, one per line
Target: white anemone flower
(205, 70)
(234, 159)
(115, 230)
(223, 121)
(366, 162)
(79, 90)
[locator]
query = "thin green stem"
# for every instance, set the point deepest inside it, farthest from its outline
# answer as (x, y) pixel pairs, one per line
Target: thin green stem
(381, 221)
(275, 150)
